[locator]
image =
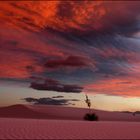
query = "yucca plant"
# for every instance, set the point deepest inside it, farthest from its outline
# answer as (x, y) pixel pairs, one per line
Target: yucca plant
(90, 116)
(88, 102)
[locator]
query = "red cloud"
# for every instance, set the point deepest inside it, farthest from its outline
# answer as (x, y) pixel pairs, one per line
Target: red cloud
(71, 62)
(54, 14)
(122, 86)
(19, 51)
(68, 16)
(16, 65)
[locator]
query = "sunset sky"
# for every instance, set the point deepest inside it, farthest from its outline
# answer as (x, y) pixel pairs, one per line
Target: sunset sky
(55, 52)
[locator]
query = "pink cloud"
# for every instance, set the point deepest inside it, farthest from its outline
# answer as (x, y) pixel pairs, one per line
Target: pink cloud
(121, 86)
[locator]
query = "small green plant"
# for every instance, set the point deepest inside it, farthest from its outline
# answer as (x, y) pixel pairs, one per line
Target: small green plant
(90, 116)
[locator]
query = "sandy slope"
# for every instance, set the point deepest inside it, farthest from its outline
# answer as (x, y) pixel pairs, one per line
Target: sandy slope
(20, 111)
(78, 113)
(63, 113)
(66, 129)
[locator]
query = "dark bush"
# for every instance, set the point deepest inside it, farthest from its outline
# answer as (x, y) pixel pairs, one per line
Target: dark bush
(91, 117)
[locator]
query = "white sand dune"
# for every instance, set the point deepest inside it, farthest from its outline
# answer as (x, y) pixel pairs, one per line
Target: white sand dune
(78, 113)
(67, 129)
(63, 113)
(53, 122)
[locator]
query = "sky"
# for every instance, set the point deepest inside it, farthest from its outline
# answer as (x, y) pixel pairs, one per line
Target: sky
(55, 52)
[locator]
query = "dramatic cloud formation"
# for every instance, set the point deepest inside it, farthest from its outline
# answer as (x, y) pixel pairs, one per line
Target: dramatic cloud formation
(49, 101)
(93, 44)
(53, 85)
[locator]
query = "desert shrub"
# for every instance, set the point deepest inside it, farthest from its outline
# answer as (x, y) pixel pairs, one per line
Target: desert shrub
(91, 117)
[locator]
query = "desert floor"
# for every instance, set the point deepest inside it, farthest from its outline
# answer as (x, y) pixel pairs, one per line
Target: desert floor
(67, 129)
(53, 122)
